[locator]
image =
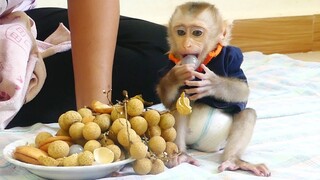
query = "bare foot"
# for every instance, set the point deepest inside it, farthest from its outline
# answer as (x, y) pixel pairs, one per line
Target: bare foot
(181, 158)
(257, 169)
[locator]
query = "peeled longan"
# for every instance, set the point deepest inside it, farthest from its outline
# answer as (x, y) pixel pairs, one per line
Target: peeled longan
(167, 120)
(157, 144)
(41, 137)
(75, 130)
(152, 116)
(104, 121)
(157, 166)
(135, 107)
(91, 145)
(169, 134)
(91, 130)
(139, 124)
(138, 150)
(142, 166)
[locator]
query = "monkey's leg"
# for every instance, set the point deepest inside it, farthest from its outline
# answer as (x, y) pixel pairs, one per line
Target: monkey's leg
(239, 137)
(181, 128)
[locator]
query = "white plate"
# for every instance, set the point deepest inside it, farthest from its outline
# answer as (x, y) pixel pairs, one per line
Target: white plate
(76, 172)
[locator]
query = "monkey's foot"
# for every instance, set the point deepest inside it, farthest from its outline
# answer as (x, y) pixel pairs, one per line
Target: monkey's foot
(181, 158)
(257, 169)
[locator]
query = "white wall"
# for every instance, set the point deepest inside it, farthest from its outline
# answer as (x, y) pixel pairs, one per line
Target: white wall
(160, 10)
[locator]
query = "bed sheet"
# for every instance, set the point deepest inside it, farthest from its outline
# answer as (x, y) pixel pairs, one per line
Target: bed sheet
(286, 94)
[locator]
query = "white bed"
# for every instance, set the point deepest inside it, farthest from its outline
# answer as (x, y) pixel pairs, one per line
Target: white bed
(285, 91)
(286, 94)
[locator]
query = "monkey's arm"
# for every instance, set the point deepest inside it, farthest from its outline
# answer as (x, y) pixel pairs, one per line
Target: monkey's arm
(169, 85)
(167, 90)
(224, 88)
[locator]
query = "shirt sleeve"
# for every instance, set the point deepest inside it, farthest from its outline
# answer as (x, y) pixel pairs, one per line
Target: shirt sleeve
(232, 61)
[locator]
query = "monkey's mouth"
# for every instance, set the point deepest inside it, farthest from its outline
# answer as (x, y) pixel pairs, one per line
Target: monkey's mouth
(184, 55)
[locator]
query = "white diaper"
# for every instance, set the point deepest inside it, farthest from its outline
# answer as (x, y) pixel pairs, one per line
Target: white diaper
(208, 128)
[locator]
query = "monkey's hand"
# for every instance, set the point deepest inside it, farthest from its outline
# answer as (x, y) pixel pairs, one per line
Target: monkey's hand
(168, 87)
(181, 158)
(224, 88)
(180, 73)
(257, 169)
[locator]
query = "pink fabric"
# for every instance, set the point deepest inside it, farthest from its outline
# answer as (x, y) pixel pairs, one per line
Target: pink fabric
(22, 70)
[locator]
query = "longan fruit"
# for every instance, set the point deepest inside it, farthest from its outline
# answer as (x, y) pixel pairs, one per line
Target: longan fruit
(152, 116)
(171, 149)
(104, 121)
(167, 120)
(139, 124)
(85, 158)
(153, 131)
(117, 112)
(157, 144)
(157, 166)
(41, 137)
(135, 107)
(105, 141)
(58, 149)
(71, 160)
(116, 150)
(169, 134)
(62, 132)
(75, 130)
(138, 150)
(87, 119)
(125, 136)
(91, 145)
(142, 166)
(118, 124)
(66, 119)
(48, 161)
(85, 112)
(91, 130)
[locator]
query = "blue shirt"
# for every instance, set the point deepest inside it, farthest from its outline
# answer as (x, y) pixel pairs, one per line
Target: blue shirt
(227, 64)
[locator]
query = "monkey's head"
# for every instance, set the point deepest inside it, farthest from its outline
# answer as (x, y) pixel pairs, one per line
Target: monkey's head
(196, 28)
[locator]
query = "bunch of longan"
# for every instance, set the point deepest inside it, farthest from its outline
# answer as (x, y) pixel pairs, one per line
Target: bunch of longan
(127, 129)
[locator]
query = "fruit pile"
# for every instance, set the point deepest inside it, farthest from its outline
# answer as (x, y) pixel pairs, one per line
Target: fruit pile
(105, 134)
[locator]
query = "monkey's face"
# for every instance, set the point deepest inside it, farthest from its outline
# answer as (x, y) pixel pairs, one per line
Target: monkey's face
(192, 34)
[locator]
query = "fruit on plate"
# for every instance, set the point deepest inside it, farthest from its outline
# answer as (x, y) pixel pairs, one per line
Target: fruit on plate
(103, 134)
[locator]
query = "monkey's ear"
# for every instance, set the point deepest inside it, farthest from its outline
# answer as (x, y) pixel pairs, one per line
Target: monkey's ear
(225, 36)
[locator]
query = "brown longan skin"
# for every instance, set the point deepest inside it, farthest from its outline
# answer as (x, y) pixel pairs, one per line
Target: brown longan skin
(142, 166)
(58, 149)
(157, 144)
(91, 131)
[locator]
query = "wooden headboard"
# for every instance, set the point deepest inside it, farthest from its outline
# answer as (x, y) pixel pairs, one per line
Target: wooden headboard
(278, 35)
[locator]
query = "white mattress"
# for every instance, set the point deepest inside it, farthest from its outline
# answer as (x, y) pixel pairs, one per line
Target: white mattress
(286, 94)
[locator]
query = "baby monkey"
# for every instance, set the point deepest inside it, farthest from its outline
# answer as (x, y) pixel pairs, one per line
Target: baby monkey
(215, 81)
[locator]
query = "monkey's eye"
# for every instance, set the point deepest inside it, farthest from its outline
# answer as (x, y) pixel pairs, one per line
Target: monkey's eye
(181, 32)
(197, 32)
